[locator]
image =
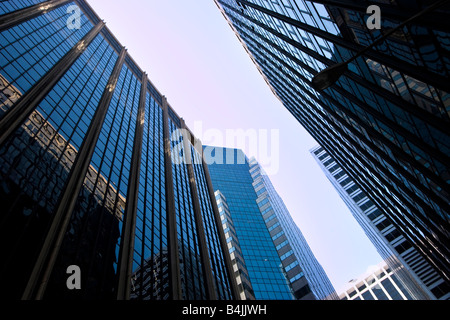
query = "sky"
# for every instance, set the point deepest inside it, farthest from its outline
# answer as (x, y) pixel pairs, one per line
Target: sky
(193, 57)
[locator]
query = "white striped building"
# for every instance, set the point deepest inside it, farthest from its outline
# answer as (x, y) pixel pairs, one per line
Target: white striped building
(419, 278)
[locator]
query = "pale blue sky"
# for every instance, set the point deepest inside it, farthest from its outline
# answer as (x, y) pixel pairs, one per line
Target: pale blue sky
(192, 56)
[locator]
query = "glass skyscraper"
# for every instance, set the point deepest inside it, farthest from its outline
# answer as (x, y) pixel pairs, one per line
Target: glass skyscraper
(386, 120)
(87, 176)
(232, 178)
(418, 277)
(240, 269)
(305, 274)
(267, 248)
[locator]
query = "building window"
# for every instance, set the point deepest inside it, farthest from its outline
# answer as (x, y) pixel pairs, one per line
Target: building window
(440, 290)
(383, 224)
(367, 295)
(405, 245)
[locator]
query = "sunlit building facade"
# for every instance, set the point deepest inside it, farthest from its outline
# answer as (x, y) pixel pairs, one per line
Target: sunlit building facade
(306, 276)
(386, 120)
(230, 175)
(265, 243)
(417, 276)
(87, 172)
(378, 283)
(240, 270)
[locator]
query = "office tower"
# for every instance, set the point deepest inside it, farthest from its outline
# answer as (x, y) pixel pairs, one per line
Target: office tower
(88, 176)
(386, 120)
(269, 244)
(417, 275)
(304, 272)
(378, 283)
(229, 172)
(240, 270)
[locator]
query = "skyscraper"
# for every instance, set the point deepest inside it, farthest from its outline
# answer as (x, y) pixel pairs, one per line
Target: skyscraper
(378, 283)
(88, 177)
(262, 229)
(305, 274)
(230, 175)
(386, 120)
(239, 267)
(419, 278)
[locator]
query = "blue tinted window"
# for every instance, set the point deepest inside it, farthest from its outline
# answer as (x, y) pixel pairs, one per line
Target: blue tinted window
(38, 157)
(258, 250)
(13, 5)
(30, 49)
(190, 264)
(150, 278)
(98, 218)
(215, 253)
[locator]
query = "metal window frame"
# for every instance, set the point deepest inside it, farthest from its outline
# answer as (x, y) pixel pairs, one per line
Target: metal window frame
(44, 266)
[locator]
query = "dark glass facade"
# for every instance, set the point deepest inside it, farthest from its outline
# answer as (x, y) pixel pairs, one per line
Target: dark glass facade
(418, 277)
(87, 176)
(386, 120)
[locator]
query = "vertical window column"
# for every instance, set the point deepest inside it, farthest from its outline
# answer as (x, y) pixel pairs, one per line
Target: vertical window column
(174, 261)
(23, 108)
(11, 19)
(206, 263)
(126, 259)
(67, 203)
(223, 242)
